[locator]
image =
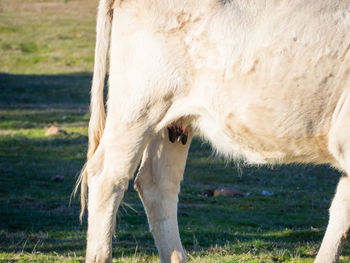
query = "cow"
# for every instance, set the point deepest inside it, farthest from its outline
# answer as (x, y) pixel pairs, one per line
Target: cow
(264, 81)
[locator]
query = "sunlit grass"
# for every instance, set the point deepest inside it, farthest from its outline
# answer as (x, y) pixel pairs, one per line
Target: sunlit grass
(46, 36)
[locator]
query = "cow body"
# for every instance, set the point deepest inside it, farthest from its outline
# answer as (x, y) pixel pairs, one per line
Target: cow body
(267, 82)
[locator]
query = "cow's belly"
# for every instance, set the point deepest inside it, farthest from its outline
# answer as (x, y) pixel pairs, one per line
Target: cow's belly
(280, 123)
(260, 145)
(254, 143)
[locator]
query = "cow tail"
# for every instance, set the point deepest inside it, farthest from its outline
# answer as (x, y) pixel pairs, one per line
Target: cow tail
(97, 107)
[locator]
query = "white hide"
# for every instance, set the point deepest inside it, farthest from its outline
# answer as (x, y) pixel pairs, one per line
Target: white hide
(263, 81)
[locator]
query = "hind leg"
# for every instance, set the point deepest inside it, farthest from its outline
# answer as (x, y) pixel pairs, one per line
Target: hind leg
(158, 184)
(109, 171)
(339, 213)
(129, 128)
(145, 79)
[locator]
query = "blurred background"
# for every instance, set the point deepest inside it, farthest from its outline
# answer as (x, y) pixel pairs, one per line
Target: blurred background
(227, 212)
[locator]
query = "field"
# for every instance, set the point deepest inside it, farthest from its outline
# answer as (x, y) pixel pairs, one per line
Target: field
(46, 59)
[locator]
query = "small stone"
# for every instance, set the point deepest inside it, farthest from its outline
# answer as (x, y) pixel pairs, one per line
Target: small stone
(266, 193)
(316, 229)
(207, 192)
(54, 130)
(227, 191)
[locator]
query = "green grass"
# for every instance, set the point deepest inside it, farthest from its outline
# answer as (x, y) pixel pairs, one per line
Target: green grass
(46, 56)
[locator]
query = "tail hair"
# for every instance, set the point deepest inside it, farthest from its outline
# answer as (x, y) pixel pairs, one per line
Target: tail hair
(97, 106)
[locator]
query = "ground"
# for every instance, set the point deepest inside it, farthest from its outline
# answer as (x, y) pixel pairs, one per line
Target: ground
(46, 59)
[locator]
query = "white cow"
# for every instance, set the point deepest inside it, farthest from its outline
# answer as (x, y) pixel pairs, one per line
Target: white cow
(267, 81)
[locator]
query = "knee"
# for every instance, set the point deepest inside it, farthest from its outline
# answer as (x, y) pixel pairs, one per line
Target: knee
(105, 193)
(94, 164)
(155, 189)
(152, 186)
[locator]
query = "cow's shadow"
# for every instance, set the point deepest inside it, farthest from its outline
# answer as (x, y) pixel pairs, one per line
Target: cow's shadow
(40, 91)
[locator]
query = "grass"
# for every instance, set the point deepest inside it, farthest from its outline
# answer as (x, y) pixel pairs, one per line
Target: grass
(46, 56)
